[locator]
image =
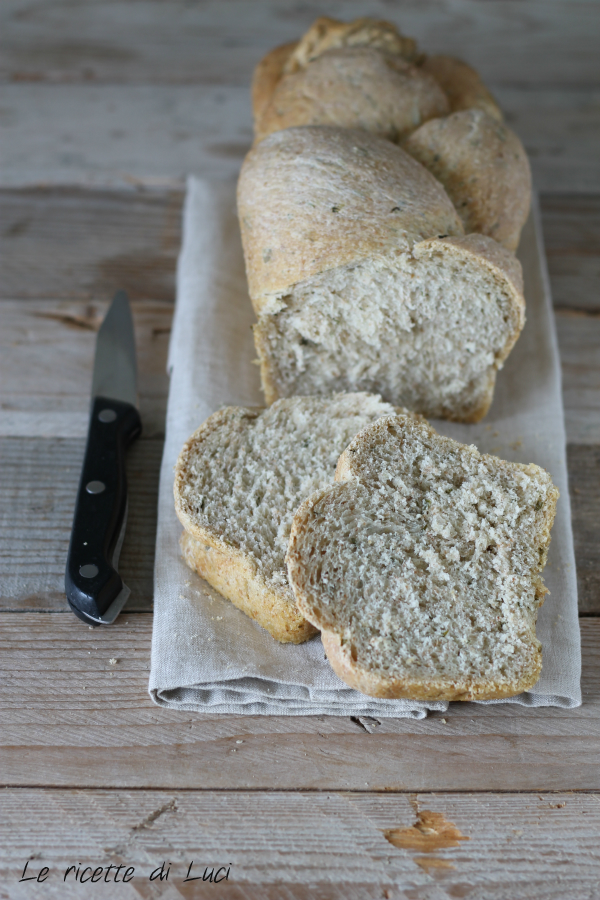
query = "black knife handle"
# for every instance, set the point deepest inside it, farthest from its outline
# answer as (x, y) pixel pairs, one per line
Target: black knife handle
(91, 582)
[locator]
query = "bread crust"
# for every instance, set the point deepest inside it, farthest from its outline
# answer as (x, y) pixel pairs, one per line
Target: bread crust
(323, 35)
(340, 653)
(329, 34)
(340, 657)
(234, 576)
(462, 85)
(354, 87)
(315, 198)
(267, 75)
(225, 567)
(484, 169)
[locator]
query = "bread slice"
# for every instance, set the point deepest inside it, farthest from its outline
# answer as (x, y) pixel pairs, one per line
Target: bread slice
(422, 566)
(462, 85)
(355, 87)
(484, 169)
(361, 277)
(238, 481)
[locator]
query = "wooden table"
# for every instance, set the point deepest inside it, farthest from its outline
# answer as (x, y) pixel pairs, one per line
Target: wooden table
(105, 107)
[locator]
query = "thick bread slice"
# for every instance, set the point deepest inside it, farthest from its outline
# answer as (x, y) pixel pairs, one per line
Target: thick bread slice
(462, 85)
(355, 87)
(484, 169)
(422, 566)
(238, 481)
(358, 282)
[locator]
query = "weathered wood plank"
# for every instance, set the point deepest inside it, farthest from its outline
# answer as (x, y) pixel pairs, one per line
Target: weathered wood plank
(530, 42)
(38, 484)
(47, 357)
(74, 250)
(584, 486)
(122, 135)
(322, 846)
(312, 762)
(571, 227)
(154, 135)
(579, 345)
(68, 244)
(61, 691)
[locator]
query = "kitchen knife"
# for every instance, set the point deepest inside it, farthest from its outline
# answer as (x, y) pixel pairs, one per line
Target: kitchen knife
(95, 590)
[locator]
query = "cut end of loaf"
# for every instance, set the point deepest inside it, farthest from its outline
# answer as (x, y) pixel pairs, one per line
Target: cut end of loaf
(427, 329)
(422, 566)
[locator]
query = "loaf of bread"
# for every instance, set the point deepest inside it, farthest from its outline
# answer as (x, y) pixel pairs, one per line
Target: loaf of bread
(422, 566)
(354, 87)
(484, 169)
(238, 482)
(267, 75)
(359, 83)
(462, 85)
(331, 34)
(362, 278)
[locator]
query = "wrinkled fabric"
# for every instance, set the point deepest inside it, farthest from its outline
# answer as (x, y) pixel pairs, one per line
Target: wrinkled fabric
(208, 656)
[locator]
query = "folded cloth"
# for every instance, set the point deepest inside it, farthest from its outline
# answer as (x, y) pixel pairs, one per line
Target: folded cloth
(206, 654)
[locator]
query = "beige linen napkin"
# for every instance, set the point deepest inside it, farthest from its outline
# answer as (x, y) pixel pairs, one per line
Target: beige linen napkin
(206, 654)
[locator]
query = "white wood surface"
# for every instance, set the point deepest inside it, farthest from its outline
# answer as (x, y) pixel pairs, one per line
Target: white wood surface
(296, 845)
(125, 135)
(73, 718)
(528, 43)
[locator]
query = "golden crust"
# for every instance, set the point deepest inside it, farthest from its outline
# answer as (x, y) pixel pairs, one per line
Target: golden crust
(323, 35)
(301, 213)
(462, 85)
(266, 76)
(330, 34)
(483, 166)
(234, 576)
(340, 657)
(354, 87)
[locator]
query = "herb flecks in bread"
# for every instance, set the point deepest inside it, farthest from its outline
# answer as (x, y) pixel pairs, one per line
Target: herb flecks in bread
(484, 169)
(238, 482)
(362, 280)
(422, 566)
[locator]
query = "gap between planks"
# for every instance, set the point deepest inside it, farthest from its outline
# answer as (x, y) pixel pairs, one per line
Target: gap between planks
(499, 844)
(73, 719)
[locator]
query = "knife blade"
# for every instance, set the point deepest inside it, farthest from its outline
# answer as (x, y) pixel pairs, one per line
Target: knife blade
(95, 590)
